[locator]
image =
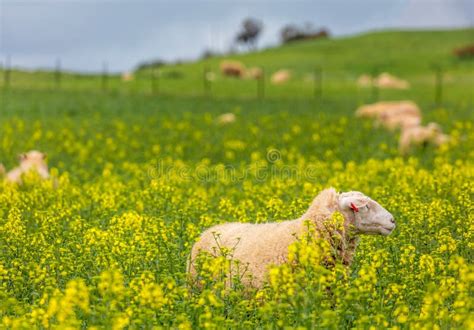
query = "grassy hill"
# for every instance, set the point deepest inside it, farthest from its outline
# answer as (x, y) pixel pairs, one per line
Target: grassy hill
(137, 177)
(408, 54)
(401, 52)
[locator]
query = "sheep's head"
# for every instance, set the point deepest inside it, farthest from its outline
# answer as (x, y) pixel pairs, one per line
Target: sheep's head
(33, 159)
(435, 128)
(365, 214)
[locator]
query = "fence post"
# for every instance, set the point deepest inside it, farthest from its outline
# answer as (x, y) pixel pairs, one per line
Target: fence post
(155, 79)
(104, 76)
(7, 72)
(206, 82)
(261, 86)
(318, 83)
(438, 85)
(375, 87)
(57, 74)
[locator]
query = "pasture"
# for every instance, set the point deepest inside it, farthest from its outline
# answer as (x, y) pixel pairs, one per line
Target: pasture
(137, 177)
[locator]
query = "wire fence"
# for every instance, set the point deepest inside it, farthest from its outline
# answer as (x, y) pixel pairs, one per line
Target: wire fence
(210, 83)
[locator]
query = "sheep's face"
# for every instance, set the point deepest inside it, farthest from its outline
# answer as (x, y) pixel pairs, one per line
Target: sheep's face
(368, 216)
(33, 159)
(435, 128)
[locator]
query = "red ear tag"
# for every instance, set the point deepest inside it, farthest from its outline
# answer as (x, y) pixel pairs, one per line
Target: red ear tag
(354, 208)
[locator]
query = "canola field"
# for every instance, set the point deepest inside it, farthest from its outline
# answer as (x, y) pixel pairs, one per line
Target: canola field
(104, 243)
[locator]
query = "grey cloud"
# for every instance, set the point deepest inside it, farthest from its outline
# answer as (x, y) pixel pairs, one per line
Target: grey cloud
(84, 33)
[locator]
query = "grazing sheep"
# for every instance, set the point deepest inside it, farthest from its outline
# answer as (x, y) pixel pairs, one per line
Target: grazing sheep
(226, 118)
(280, 77)
(127, 76)
(386, 80)
(370, 110)
(421, 135)
(232, 69)
(254, 73)
(393, 114)
(385, 109)
(393, 121)
(32, 160)
(258, 246)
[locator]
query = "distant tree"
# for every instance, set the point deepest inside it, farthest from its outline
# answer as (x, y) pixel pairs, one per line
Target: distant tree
(251, 29)
(293, 32)
(150, 64)
(290, 32)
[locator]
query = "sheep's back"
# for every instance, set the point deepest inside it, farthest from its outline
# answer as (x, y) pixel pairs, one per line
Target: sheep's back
(255, 246)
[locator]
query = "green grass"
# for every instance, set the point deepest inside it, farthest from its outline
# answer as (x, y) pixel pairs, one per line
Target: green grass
(138, 177)
(410, 55)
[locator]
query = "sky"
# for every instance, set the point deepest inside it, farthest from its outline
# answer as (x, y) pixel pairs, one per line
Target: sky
(85, 33)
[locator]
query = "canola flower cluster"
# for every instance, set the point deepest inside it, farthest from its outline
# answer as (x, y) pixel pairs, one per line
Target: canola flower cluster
(104, 243)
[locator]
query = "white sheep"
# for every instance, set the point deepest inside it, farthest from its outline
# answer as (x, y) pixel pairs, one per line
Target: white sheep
(127, 76)
(232, 69)
(280, 77)
(387, 108)
(421, 135)
(383, 80)
(254, 73)
(258, 246)
(392, 114)
(32, 160)
(386, 80)
(226, 118)
(393, 121)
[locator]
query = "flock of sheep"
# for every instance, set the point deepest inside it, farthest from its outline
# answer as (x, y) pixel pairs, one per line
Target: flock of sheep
(405, 116)
(258, 246)
(237, 69)
(234, 69)
(255, 247)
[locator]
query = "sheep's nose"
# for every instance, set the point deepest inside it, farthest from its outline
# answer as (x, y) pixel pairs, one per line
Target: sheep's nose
(392, 220)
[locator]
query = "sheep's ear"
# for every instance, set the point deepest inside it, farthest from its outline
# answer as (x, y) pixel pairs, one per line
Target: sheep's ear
(353, 202)
(22, 157)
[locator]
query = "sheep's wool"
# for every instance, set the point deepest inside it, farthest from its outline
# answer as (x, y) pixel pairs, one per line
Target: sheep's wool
(258, 246)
